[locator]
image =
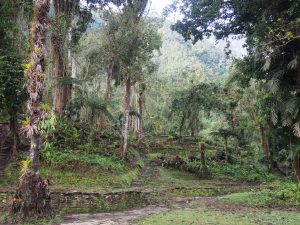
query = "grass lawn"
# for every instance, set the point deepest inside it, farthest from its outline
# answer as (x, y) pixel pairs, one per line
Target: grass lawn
(196, 217)
(89, 180)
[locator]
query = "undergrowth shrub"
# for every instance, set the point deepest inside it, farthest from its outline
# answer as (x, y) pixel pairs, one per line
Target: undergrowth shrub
(242, 171)
(66, 136)
(55, 157)
(245, 169)
(133, 158)
(276, 194)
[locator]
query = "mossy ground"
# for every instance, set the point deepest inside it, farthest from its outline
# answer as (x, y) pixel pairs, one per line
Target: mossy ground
(195, 197)
(212, 217)
(90, 179)
(273, 195)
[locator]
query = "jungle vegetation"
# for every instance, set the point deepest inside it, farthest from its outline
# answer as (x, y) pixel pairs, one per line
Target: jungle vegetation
(96, 85)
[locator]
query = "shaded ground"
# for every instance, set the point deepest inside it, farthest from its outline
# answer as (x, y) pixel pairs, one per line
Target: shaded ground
(181, 198)
(117, 218)
(177, 193)
(191, 210)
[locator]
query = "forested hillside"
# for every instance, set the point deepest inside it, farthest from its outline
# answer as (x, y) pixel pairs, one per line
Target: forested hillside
(184, 61)
(180, 65)
(109, 115)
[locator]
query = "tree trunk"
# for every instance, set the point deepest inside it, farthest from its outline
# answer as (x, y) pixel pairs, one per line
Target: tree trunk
(124, 135)
(140, 118)
(226, 148)
(32, 198)
(14, 132)
(233, 120)
(62, 92)
(110, 68)
(203, 167)
(296, 167)
(194, 125)
(265, 146)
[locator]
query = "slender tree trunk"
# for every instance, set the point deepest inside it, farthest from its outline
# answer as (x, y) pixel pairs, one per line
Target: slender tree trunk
(110, 68)
(32, 198)
(233, 120)
(193, 125)
(203, 167)
(107, 96)
(140, 118)
(226, 148)
(124, 135)
(265, 146)
(14, 132)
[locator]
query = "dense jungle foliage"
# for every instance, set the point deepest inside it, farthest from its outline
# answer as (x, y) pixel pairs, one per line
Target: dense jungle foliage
(93, 93)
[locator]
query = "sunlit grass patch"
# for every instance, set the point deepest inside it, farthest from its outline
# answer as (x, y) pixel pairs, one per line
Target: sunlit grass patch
(188, 217)
(278, 194)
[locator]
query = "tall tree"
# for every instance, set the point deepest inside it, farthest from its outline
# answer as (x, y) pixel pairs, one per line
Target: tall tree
(65, 35)
(136, 39)
(60, 30)
(12, 52)
(272, 32)
(32, 197)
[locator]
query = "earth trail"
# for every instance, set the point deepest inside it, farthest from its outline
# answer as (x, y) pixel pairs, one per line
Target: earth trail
(126, 217)
(116, 218)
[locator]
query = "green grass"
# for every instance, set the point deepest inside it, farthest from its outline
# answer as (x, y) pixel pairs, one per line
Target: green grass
(81, 170)
(278, 194)
(189, 217)
(163, 177)
(152, 156)
(56, 158)
(89, 179)
(181, 183)
(33, 221)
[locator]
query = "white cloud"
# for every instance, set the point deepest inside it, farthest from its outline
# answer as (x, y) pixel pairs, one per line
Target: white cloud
(158, 5)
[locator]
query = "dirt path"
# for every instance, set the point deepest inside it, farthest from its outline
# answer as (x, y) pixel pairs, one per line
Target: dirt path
(201, 204)
(117, 218)
(125, 217)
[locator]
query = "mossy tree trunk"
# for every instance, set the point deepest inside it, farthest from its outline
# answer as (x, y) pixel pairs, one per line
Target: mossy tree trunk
(124, 135)
(140, 111)
(32, 198)
(203, 168)
(296, 167)
(226, 148)
(233, 121)
(103, 123)
(60, 30)
(265, 146)
(110, 68)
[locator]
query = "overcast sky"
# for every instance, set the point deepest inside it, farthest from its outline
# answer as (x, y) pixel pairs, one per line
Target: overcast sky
(158, 5)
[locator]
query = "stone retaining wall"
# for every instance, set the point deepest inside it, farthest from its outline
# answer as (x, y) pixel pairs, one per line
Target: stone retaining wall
(79, 202)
